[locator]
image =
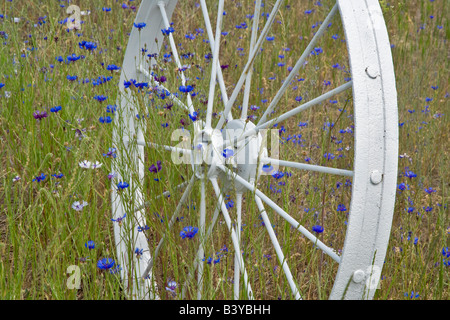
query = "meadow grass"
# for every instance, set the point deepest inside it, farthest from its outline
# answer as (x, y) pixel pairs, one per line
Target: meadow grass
(41, 234)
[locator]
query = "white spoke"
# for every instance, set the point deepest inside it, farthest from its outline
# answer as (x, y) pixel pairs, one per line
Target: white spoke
(212, 83)
(237, 254)
(249, 64)
(298, 65)
(171, 222)
(306, 105)
(278, 250)
(161, 146)
(233, 237)
(198, 260)
(309, 167)
(248, 80)
(212, 44)
(168, 148)
(290, 113)
(175, 52)
(202, 235)
(331, 252)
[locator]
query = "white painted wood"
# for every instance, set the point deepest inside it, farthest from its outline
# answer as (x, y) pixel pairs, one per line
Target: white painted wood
(376, 146)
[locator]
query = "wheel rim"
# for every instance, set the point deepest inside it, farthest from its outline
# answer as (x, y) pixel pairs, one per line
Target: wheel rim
(375, 160)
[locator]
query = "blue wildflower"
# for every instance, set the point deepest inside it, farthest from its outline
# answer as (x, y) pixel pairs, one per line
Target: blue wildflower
(107, 119)
(40, 178)
(139, 25)
(56, 109)
(317, 229)
(90, 244)
(188, 232)
(122, 185)
(105, 263)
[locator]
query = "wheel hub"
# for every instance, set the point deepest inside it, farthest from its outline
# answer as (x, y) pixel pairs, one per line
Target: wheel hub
(243, 157)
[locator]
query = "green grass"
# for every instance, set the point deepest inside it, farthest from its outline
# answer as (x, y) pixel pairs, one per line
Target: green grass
(41, 235)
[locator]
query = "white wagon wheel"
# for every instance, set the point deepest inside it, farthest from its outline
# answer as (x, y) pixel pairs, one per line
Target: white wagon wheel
(375, 158)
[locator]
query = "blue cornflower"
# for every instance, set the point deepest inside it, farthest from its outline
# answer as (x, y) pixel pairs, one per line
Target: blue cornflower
(329, 156)
(317, 229)
(194, 116)
(111, 153)
(141, 229)
(138, 252)
(119, 220)
(105, 263)
(446, 252)
(227, 153)
(40, 178)
(167, 31)
(208, 261)
(100, 98)
(410, 174)
(72, 78)
(112, 67)
(73, 57)
(230, 204)
(429, 190)
(278, 175)
(122, 185)
(107, 119)
(111, 108)
(90, 244)
(87, 45)
(140, 25)
(56, 109)
(186, 89)
(413, 295)
(188, 232)
(402, 186)
(341, 207)
(270, 38)
(267, 168)
(58, 176)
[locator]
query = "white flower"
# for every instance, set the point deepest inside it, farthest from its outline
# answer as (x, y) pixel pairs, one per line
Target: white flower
(78, 206)
(16, 178)
(85, 164)
(89, 165)
(96, 165)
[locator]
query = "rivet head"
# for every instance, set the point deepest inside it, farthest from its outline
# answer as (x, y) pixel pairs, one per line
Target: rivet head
(372, 72)
(358, 276)
(376, 177)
